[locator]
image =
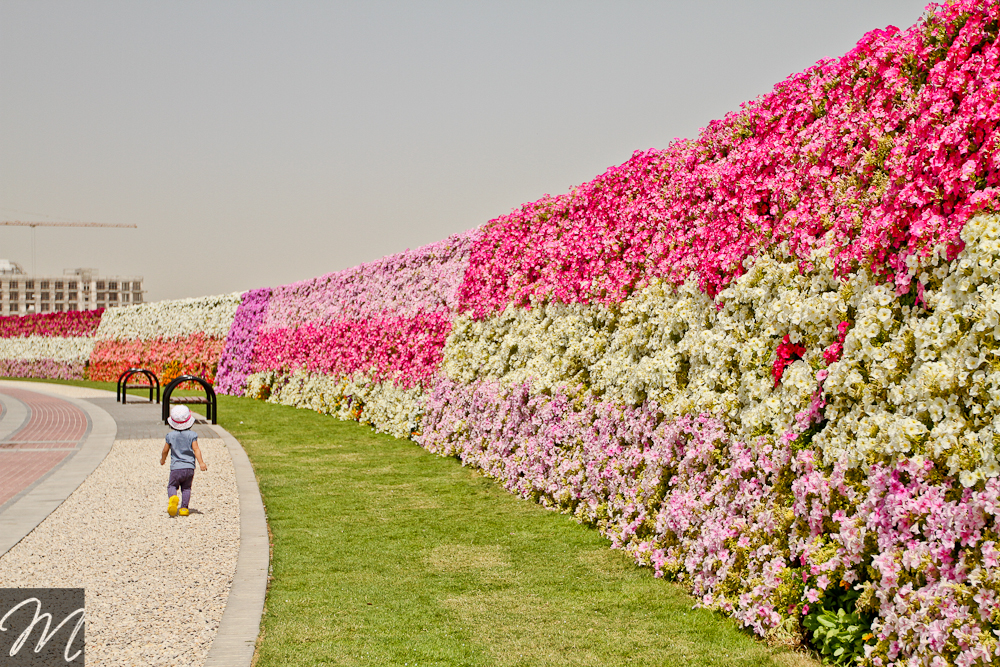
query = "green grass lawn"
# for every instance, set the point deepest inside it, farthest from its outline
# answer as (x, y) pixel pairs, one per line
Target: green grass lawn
(384, 554)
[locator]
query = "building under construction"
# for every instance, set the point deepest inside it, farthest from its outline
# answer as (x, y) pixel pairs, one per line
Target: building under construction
(76, 289)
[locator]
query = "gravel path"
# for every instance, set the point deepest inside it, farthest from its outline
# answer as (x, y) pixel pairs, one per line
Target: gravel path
(156, 586)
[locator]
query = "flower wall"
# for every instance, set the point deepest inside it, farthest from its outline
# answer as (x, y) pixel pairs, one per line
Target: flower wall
(170, 338)
(763, 361)
(51, 345)
(364, 343)
(865, 463)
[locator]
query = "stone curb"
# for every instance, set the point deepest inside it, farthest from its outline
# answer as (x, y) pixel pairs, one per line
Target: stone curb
(15, 415)
(240, 625)
(23, 514)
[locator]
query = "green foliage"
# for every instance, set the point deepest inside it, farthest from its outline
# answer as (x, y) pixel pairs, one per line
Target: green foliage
(837, 629)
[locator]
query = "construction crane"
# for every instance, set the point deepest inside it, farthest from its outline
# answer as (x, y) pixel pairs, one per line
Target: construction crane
(20, 223)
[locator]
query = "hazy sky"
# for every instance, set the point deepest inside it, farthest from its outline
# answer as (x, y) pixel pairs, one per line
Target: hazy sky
(261, 143)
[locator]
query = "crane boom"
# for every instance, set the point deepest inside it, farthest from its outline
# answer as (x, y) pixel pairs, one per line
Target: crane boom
(18, 223)
(21, 223)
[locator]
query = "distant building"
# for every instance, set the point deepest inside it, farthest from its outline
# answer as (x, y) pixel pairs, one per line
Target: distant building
(76, 289)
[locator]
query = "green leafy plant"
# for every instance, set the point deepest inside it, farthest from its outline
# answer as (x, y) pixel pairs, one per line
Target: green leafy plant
(838, 631)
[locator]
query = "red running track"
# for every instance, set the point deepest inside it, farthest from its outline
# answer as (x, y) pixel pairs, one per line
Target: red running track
(55, 428)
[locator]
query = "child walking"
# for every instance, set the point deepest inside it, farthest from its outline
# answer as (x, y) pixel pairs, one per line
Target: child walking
(182, 444)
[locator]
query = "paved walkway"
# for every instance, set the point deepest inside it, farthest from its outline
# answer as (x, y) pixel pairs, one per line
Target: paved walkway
(53, 436)
(37, 433)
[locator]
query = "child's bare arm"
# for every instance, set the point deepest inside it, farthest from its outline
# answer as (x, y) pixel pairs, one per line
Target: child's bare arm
(197, 454)
(163, 454)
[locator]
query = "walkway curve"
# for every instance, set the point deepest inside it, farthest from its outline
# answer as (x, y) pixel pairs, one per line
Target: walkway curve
(235, 641)
(30, 506)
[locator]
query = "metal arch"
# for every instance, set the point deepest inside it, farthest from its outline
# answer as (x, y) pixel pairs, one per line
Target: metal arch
(211, 411)
(153, 381)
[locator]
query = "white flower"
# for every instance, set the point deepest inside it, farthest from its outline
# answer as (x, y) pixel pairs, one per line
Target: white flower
(36, 348)
(210, 315)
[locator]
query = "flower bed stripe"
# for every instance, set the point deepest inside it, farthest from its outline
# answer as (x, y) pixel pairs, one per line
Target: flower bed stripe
(69, 324)
(877, 156)
(407, 349)
(48, 369)
(165, 320)
(196, 354)
(237, 355)
(385, 405)
(360, 344)
(417, 281)
(52, 346)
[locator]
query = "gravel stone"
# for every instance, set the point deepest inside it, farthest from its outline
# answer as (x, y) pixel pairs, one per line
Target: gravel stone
(156, 586)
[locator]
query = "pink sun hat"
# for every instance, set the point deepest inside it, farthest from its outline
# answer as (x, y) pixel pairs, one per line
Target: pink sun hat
(180, 418)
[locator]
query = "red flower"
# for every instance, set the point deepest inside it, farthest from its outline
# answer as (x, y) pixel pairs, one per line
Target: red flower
(786, 353)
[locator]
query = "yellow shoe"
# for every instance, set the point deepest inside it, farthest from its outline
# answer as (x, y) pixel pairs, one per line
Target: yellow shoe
(183, 511)
(172, 505)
